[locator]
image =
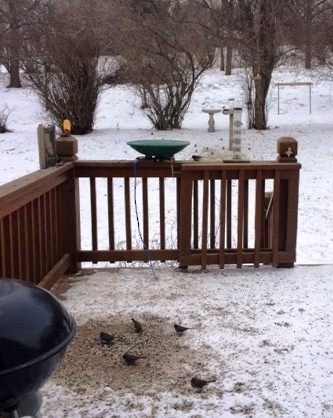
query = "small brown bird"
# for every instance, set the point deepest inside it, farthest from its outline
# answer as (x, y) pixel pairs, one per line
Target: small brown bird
(130, 359)
(180, 329)
(106, 338)
(137, 326)
(200, 383)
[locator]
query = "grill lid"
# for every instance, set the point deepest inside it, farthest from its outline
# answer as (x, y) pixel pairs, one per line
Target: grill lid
(34, 325)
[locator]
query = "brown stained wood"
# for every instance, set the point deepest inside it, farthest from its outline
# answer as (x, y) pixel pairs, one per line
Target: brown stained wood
(70, 221)
(268, 204)
(229, 213)
(2, 250)
(31, 244)
(162, 212)
(57, 225)
(240, 220)
(204, 229)
(30, 234)
(52, 228)
(18, 193)
(145, 212)
(276, 219)
(39, 215)
(93, 207)
(56, 272)
(127, 256)
(25, 245)
(292, 214)
(246, 215)
(7, 249)
(212, 216)
(178, 191)
(195, 214)
(222, 219)
(37, 245)
(111, 226)
(45, 238)
(259, 216)
(6, 252)
(15, 255)
(128, 214)
(185, 221)
(48, 233)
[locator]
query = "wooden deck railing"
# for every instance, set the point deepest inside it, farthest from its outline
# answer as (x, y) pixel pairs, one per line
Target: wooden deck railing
(237, 223)
(135, 203)
(39, 233)
(193, 213)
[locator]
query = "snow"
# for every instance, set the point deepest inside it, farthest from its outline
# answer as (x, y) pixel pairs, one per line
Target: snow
(264, 334)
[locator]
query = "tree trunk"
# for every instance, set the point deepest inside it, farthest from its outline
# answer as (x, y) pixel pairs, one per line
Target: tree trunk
(308, 36)
(228, 67)
(263, 69)
(221, 58)
(14, 74)
(259, 104)
(14, 58)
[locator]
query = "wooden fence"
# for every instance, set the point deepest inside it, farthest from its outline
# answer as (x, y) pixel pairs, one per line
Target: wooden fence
(192, 213)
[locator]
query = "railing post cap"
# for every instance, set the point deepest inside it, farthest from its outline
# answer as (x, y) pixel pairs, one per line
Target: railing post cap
(287, 149)
(67, 148)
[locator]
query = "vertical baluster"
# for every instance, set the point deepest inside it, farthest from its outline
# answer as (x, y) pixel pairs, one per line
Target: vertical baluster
(145, 210)
(229, 213)
(222, 218)
(276, 219)
(204, 231)
(93, 206)
(162, 212)
(195, 214)
(128, 214)
(111, 225)
(212, 214)
(240, 220)
(246, 215)
(259, 217)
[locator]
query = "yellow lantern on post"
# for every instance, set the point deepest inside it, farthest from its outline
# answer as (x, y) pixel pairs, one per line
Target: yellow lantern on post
(66, 127)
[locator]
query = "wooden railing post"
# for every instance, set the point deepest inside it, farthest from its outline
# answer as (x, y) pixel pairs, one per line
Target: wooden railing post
(67, 148)
(288, 203)
(71, 233)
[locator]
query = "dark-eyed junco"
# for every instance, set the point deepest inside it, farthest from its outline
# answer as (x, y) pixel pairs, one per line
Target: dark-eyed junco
(137, 326)
(180, 329)
(106, 338)
(200, 383)
(131, 359)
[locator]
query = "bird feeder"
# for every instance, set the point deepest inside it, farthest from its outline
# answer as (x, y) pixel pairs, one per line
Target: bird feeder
(235, 124)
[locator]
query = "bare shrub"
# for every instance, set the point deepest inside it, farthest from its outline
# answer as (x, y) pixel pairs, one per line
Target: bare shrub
(165, 52)
(4, 113)
(63, 70)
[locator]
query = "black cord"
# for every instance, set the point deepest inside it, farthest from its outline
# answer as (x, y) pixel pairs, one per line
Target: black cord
(137, 218)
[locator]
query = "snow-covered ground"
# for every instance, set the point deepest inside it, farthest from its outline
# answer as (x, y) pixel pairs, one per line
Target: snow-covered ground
(264, 334)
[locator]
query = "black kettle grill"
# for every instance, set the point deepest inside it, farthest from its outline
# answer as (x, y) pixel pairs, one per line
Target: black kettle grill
(35, 330)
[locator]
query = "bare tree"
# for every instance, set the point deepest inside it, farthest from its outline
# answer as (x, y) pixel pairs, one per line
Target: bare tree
(62, 64)
(258, 39)
(219, 22)
(165, 51)
(304, 24)
(15, 18)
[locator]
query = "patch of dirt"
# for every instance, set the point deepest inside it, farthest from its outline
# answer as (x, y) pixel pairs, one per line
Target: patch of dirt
(170, 362)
